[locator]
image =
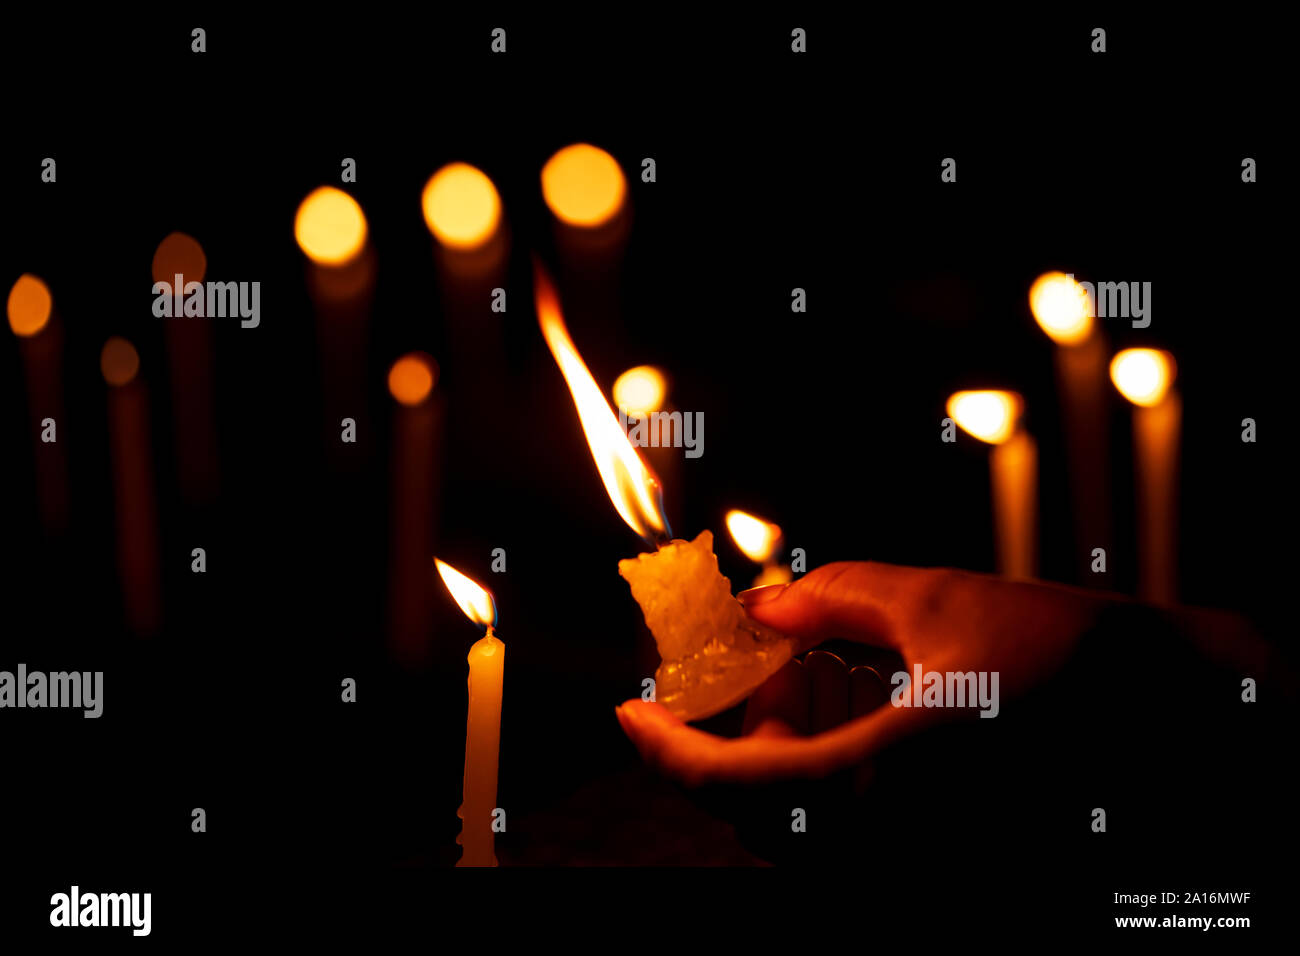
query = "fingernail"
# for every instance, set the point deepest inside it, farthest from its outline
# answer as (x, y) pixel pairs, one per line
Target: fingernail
(756, 596)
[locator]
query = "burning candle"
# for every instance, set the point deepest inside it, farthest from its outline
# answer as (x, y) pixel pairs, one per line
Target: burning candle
(713, 655)
(331, 230)
(189, 353)
(40, 340)
(1145, 377)
(487, 660)
(137, 521)
(994, 417)
(760, 541)
(1060, 306)
(416, 420)
(463, 211)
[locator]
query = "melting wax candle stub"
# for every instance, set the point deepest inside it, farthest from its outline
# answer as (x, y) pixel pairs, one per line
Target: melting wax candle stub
(714, 656)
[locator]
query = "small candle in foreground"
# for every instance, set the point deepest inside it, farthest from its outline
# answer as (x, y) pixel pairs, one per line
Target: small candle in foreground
(994, 417)
(1145, 377)
(483, 722)
(760, 541)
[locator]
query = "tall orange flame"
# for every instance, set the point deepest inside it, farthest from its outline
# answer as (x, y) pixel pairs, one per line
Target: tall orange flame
(632, 486)
(474, 599)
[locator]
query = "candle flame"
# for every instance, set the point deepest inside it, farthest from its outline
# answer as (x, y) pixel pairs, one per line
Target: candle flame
(1060, 306)
(330, 227)
(640, 391)
(631, 485)
(474, 599)
(990, 416)
(758, 539)
(1143, 376)
(30, 305)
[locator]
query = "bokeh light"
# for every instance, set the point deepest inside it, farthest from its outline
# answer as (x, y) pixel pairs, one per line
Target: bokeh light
(583, 185)
(411, 378)
(1061, 309)
(330, 227)
(640, 391)
(30, 305)
(119, 361)
(990, 416)
(1143, 376)
(461, 206)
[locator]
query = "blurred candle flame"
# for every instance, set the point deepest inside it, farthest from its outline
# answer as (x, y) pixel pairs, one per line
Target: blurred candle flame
(640, 391)
(30, 305)
(330, 227)
(989, 415)
(632, 486)
(474, 599)
(461, 206)
(1143, 376)
(758, 539)
(1061, 309)
(583, 185)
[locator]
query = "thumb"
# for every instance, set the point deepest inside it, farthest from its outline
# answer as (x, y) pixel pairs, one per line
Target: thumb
(858, 600)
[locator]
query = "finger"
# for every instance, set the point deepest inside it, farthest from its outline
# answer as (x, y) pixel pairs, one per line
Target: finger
(783, 697)
(859, 600)
(695, 757)
(828, 678)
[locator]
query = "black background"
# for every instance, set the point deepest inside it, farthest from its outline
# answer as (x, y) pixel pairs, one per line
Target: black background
(774, 171)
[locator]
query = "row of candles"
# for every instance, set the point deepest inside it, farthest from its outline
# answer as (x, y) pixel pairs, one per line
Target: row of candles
(586, 191)
(1143, 376)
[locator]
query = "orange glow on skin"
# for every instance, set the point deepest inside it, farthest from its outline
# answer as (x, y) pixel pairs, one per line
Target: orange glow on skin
(583, 185)
(411, 379)
(1061, 309)
(632, 486)
(30, 306)
(640, 391)
(758, 539)
(991, 416)
(330, 227)
(461, 206)
(1143, 376)
(119, 361)
(474, 599)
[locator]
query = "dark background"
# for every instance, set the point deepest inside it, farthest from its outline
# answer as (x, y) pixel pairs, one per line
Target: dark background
(774, 171)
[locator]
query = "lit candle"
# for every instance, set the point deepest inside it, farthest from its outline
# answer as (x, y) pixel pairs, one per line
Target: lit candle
(1060, 306)
(463, 211)
(760, 541)
(487, 659)
(189, 354)
(1145, 377)
(994, 417)
(416, 419)
(332, 232)
(586, 191)
(133, 483)
(713, 655)
(40, 339)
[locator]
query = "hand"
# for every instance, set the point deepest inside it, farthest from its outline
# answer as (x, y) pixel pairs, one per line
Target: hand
(942, 619)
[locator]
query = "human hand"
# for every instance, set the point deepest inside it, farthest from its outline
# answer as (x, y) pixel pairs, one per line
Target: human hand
(941, 619)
